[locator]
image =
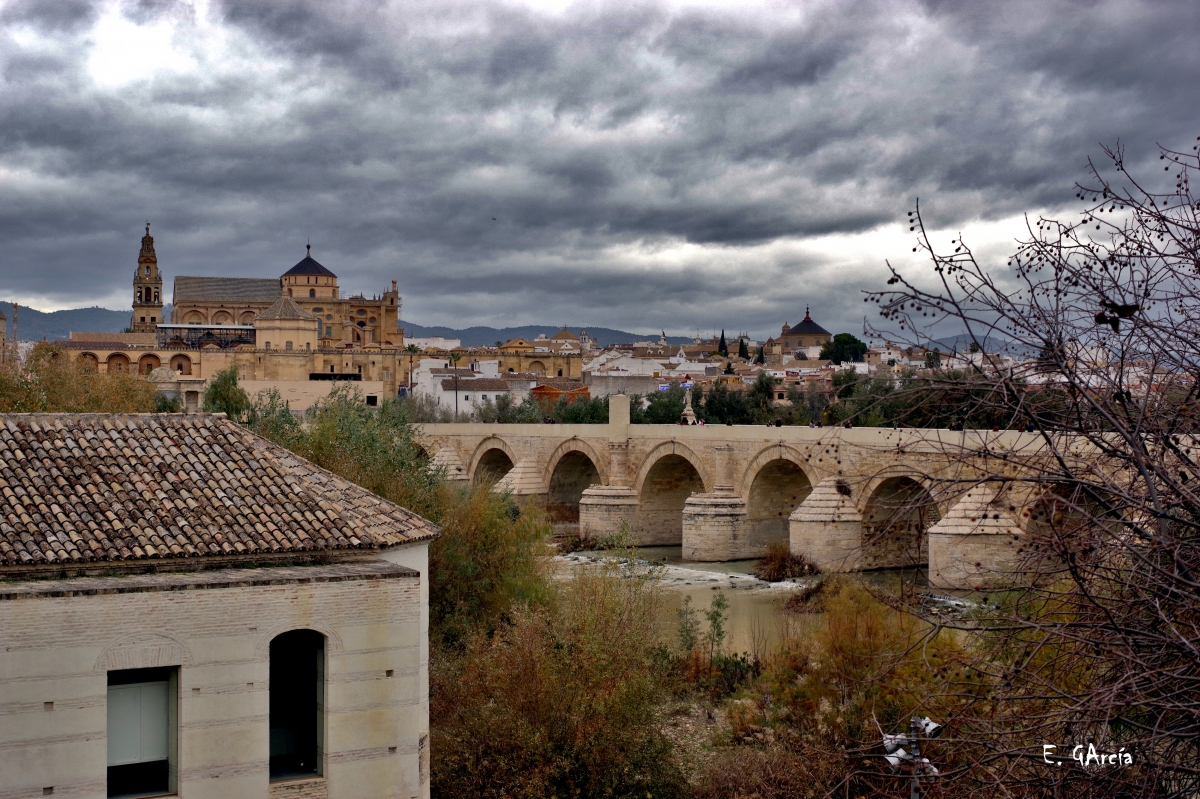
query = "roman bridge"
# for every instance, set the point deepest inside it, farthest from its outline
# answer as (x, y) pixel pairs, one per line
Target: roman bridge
(848, 499)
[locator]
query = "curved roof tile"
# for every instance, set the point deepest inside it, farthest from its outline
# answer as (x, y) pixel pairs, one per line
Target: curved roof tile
(78, 488)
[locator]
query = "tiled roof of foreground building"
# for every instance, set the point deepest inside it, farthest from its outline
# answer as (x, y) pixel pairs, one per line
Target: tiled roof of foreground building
(76, 488)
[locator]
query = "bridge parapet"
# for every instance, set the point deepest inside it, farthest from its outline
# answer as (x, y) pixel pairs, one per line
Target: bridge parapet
(725, 492)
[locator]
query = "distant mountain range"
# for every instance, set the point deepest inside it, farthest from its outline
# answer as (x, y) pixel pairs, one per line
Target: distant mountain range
(962, 342)
(488, 336)
(35, 325)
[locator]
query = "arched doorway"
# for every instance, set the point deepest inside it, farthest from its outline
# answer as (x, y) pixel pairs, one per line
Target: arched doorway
(778, 488)
(222, 318)
(88, 362)
(666, 488)
(181, 364)
(572, 475)
(895, 525)
(537, 368)
(492, 467)
(148, 363)
(193, 318)
(297, 704)
(118, 362)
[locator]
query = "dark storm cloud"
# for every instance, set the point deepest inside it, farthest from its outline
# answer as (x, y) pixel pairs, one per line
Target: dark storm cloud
(630, 164)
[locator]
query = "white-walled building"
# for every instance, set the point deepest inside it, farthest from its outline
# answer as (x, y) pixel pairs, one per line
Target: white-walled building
(434, 343)
(189, 610)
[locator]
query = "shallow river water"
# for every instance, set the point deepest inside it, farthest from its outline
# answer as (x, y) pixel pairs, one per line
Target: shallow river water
(756, 619)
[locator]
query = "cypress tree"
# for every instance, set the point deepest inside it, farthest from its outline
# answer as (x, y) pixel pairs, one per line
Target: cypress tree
(743, 350)
(722, 347)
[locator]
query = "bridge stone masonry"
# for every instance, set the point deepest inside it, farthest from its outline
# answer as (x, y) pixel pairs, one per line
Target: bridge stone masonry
(847, 499)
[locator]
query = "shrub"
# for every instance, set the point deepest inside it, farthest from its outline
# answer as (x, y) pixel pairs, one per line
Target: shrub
(224, 395)
(825, 698)
(779, 563)
(486, 563)
(374, 448)
(53, 381)
(564, 701)
(812, 597)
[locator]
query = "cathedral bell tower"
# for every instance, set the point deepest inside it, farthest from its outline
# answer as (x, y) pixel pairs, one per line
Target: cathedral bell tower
(147, 289)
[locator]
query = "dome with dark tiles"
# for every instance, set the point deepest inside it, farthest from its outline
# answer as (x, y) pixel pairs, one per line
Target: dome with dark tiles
(807, 327)
(309, 266)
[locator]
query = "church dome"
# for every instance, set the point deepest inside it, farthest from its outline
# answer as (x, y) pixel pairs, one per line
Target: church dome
(285, 308)
(309, 266)
(807, 327)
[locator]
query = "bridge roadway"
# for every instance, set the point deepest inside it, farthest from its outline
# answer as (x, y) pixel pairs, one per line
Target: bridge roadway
(848, 499)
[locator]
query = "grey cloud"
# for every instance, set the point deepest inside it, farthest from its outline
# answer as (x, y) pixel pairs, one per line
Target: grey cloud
(499, 161)
(52, 16)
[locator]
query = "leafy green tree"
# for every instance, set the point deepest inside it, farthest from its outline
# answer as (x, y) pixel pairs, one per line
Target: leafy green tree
(717, 617)
(270, 417)
(720, 405)
(844, 382)
(761, 397)
(844, 348)
(729, 370)
(224, 395)
(933, 360)
(722, 347)
(743, 350)
(662, 407)
(761, 357)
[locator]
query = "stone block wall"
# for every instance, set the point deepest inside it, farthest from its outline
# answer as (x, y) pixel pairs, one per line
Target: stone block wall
(62, 637)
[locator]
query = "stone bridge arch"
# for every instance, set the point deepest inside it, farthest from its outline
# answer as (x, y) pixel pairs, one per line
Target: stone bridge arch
(897, 509)
(492, 459)
(773, 484)
(669, 474)
(571, 469)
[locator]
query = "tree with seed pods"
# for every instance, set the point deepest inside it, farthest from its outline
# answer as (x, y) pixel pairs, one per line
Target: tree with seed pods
(1095, 640)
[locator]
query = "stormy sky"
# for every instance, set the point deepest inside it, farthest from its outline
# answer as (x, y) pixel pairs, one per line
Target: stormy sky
(632, 164)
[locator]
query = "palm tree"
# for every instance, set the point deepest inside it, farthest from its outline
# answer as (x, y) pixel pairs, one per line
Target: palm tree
(454, 359)
(411, 349)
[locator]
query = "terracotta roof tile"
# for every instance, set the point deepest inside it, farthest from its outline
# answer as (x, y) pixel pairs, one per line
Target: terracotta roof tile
(478, 384)
(99, 487)
(286, 308)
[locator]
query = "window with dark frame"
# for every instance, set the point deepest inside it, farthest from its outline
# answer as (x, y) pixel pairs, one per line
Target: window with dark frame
(141, 729)
(297, 692)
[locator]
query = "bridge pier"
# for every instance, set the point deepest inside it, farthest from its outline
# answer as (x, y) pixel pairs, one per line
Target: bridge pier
(827, 528)
(714, 524)
(603, 510)
(724, 493)
(446, 458)
(975, 545)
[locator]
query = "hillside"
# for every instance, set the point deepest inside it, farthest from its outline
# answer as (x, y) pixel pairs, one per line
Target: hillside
(59, 324)
(36, 324)
(486, 336)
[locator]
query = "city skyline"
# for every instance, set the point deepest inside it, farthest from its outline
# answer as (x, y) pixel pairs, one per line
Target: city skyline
(667, 165)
